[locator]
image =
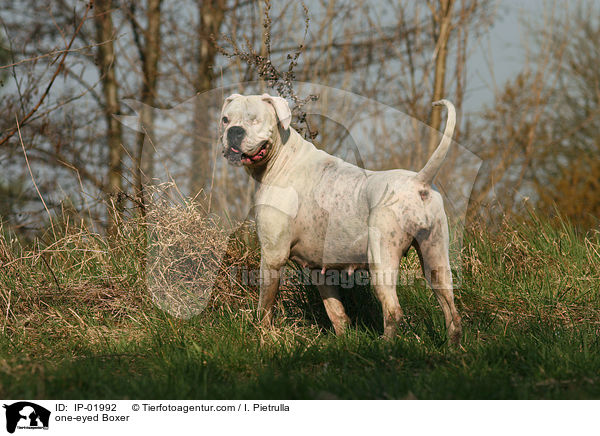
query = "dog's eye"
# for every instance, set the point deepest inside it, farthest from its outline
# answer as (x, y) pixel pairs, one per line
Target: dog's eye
(225, 120)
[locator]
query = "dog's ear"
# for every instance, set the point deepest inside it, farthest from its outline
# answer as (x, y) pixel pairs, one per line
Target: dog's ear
(282, 109)
(230, 99)
(226, 102)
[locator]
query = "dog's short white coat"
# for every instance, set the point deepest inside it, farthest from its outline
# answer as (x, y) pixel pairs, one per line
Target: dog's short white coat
(325, 213)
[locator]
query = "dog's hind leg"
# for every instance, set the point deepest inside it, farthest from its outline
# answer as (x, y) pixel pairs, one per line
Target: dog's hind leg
(334, 307)
(387, 244)
(433, 253)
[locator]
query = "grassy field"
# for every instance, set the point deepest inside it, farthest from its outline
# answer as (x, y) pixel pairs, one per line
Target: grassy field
(78, 323)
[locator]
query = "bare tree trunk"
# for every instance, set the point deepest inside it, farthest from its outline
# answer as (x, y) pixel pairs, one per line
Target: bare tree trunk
(263, 42)
(106, 62)
(211, 17)
(461, 74)
(150, 53)
(442, 19)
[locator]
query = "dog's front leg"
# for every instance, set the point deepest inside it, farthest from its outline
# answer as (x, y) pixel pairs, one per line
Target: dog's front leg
(274, 233)
(269, 286)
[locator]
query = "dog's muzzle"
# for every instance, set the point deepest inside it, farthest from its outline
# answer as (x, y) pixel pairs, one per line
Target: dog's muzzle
(234, 136)
(233, 153)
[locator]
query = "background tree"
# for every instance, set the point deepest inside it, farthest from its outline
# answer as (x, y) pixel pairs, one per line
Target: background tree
(105, 35)
(148, 45)
(539, 139)
(569, 180)
(442, 18)
(211, 15)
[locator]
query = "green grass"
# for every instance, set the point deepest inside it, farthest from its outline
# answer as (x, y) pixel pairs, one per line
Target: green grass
(78, 324)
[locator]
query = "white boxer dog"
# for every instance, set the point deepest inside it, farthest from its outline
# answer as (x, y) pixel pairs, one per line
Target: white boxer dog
(327, 214)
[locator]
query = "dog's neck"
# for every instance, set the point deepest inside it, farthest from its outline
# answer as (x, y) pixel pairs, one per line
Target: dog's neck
(285, 147)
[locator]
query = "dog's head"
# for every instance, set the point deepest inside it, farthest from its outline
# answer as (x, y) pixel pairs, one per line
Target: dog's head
(250, 127)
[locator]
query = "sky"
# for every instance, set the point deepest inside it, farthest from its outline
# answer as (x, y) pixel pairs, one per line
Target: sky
(505, 45)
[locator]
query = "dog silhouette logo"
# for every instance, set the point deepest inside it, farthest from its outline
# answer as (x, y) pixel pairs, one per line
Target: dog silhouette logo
(26, 415)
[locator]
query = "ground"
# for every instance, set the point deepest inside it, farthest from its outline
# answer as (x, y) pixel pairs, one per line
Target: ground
(78, 324)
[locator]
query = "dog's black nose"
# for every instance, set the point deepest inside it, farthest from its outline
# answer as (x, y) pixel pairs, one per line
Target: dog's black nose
(235, 135)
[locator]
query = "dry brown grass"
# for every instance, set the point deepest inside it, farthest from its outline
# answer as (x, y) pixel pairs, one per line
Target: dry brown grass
(534, 270)
(184, 261)
(179, 259)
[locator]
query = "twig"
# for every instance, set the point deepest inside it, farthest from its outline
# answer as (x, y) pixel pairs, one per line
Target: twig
(54, 53)
(54, 76)
(282, 82)
(8, 298)
(32, 178)
(51, 272)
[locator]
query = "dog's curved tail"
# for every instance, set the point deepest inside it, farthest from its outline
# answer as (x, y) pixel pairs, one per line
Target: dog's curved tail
(427, 174)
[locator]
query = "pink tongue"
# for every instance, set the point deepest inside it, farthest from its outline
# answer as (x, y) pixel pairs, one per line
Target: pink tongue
(258, 155)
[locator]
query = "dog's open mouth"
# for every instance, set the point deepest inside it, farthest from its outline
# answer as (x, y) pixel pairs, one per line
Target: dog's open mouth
(258, 156)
